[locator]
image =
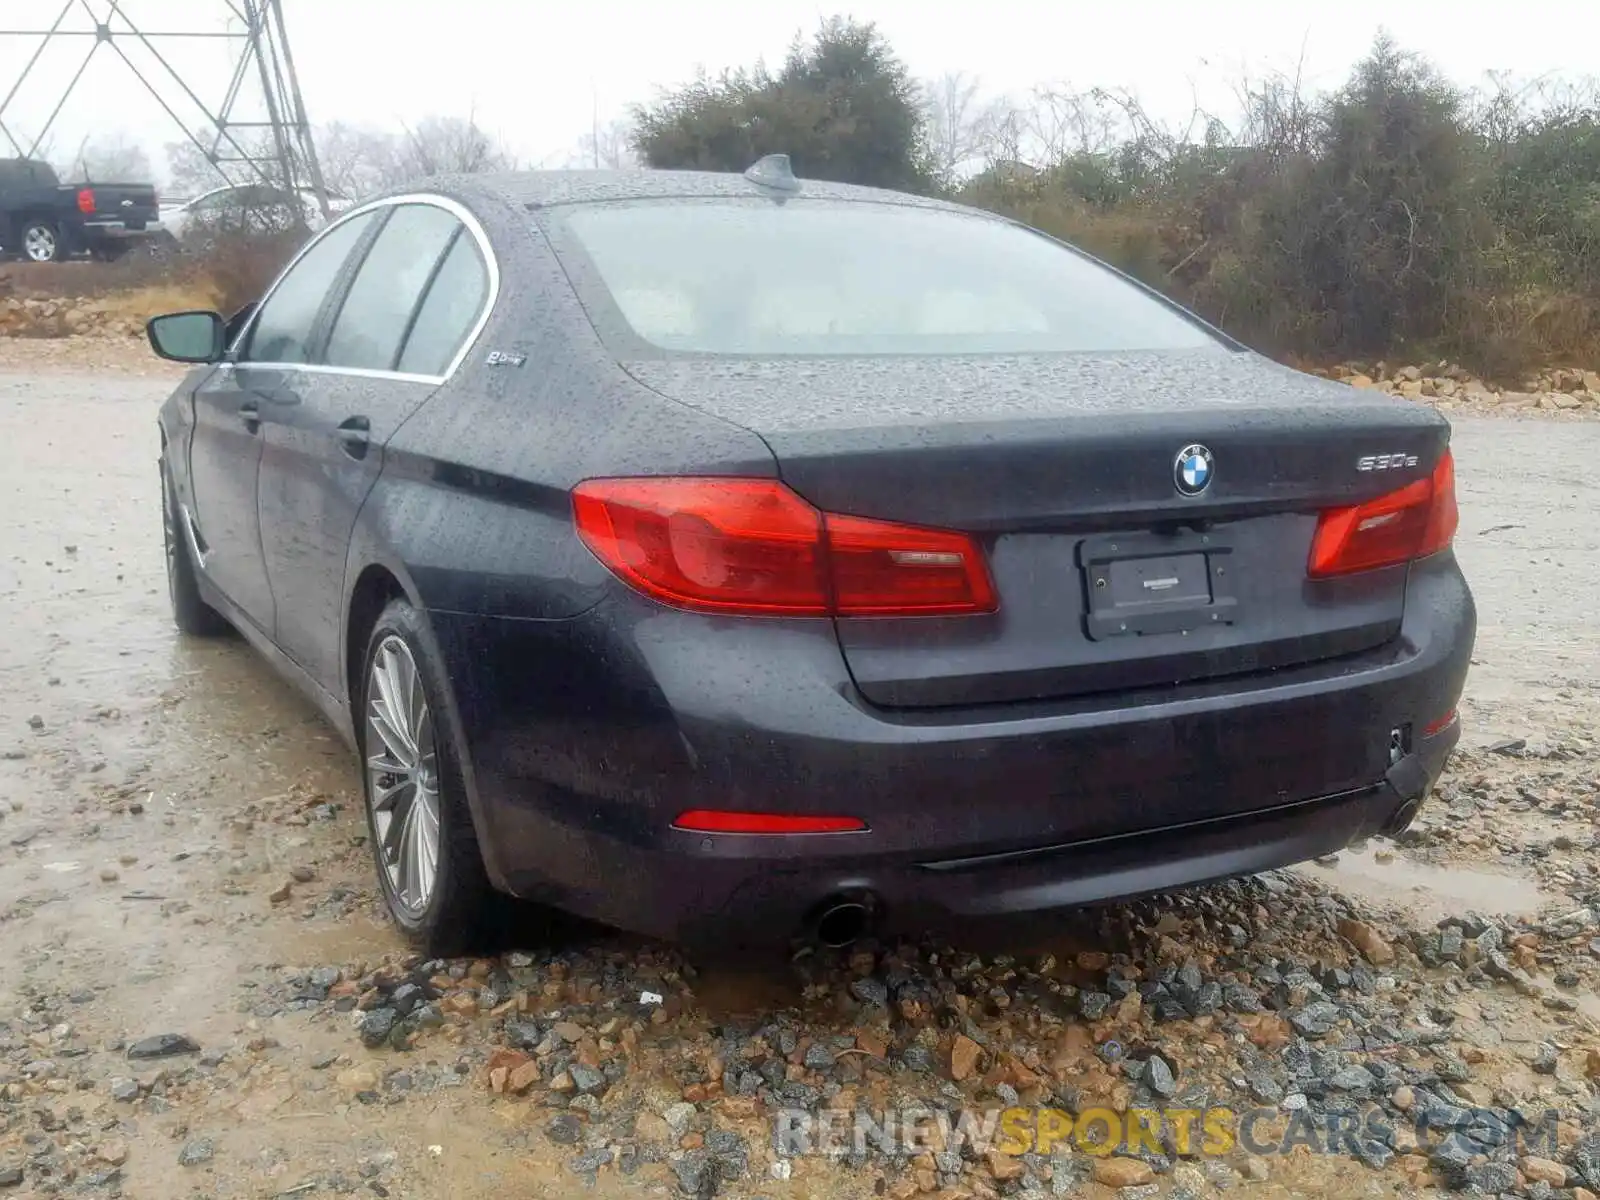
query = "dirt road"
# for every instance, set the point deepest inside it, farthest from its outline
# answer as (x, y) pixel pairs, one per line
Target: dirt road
(181, 853)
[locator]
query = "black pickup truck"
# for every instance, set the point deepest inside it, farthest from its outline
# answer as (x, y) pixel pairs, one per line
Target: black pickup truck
(45, 220)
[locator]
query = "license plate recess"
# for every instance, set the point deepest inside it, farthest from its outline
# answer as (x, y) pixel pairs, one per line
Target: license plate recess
(1149, 584)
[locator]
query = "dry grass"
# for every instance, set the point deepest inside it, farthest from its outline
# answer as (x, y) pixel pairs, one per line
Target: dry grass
(231, 274)
(142, 303)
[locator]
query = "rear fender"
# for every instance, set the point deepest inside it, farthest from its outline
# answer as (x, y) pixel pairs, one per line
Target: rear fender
(367, 551)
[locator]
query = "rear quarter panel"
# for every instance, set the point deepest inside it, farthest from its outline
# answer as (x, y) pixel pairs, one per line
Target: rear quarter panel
(472, 510)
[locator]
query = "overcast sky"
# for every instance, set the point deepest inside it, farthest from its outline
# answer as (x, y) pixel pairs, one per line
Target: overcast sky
(535, 71)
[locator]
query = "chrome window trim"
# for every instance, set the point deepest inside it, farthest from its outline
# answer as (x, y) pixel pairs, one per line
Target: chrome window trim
(491, 266)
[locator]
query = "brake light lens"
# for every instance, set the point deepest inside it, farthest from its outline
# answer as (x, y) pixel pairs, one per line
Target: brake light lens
(1413, 522)
(86, 201)
(753, 547)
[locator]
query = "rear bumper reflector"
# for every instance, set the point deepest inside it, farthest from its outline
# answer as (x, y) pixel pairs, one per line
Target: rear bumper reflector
(706, 820)
(1438, 726)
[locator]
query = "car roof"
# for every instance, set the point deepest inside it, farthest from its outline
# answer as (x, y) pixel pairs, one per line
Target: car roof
(545, 189)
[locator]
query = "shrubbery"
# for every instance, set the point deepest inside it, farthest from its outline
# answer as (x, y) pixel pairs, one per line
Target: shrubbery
(1399, 216)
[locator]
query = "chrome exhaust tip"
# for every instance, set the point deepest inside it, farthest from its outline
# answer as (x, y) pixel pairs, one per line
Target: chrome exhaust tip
(842, 921)
(1400, 820)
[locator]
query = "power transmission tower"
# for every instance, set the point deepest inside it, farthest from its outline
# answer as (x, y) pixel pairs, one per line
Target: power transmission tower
(276, 148)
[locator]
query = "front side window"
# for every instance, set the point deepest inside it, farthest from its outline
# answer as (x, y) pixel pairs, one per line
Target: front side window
(833, 278)
(378, 310)
(283, 330)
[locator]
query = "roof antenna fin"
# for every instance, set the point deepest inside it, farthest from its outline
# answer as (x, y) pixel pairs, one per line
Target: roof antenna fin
(774, 172)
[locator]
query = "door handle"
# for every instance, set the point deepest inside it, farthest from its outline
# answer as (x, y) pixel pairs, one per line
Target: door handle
(354, 435)
(250, 414)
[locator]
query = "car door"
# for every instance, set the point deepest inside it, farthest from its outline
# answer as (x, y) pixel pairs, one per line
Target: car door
(408, 310)
(262, 373)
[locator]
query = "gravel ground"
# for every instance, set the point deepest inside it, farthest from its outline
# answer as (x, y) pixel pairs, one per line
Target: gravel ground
(198, 998)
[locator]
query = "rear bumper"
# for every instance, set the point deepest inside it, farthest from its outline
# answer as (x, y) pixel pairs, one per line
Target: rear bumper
(906, 898)
(585, 738)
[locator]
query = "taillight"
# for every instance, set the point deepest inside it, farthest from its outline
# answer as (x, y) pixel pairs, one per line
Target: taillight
(1413, 522)
(86, 201)
(753, 547)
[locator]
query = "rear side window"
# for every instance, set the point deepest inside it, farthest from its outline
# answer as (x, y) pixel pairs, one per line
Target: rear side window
(378, 309)
(832, 278)
(22, 172)
(451, 308)
(19, 173)
(282, 332)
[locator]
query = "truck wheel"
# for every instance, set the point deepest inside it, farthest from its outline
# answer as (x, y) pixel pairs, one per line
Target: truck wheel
(40, 242)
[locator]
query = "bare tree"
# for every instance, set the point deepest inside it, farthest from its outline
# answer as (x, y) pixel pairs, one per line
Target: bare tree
(1003, 138)
(956, 120)
(1061, 122)
(1051, 124)
(110, 159)
(1278, 115)
(447, 146)
(609, 147)
(355, 161)
(189, 171)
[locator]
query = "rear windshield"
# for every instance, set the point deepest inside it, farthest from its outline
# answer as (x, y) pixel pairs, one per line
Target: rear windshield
(828, 278)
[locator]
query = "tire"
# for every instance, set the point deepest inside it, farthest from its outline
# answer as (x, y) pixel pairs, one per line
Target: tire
(416, 803)
(191, 614)
(41, 242)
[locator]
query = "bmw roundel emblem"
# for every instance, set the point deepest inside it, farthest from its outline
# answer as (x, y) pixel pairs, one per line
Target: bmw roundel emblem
(1192, 470)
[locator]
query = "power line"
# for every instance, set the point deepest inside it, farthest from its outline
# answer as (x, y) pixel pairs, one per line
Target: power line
(278, 150)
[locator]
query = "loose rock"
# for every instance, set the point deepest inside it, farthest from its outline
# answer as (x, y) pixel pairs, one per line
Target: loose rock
(1122, 1172)
(1367, 940)
(194, 1153)
(163, 1045)
(964, 1058)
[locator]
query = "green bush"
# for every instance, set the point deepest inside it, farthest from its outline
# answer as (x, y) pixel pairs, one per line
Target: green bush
(1398, 216)
(843, 108)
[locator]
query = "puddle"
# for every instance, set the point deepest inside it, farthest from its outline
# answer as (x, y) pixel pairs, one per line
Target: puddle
(1429, 891)
(356, 938)
(748, 989)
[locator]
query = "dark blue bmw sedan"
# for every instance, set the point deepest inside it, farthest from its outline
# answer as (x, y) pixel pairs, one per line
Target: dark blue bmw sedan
(719, 555)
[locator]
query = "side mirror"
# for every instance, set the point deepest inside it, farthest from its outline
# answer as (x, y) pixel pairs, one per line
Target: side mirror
(187, 337)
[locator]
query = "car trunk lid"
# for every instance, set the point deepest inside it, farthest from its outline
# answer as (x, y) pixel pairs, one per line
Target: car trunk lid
(1065, 468)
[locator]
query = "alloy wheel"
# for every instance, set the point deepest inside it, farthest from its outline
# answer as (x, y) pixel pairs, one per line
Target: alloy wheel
(402, 777)
(39, 244)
